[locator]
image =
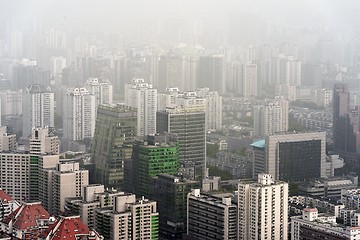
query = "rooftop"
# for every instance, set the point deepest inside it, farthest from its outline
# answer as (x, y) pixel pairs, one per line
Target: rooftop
(258, 144)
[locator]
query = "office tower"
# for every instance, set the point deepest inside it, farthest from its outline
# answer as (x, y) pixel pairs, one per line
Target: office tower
(211, 73)
(292, 157)
(263, 209)
(102, 89)
(272, 117)
(314, 225)
(170, 193)
(115, 134)
(38, 108)
(143, 97)
(130, 218)
(155, 155)
(211, 217)
(68, 180)
(43, 142)
(213, 109)
(11, 103)
(345, 121)
(250, 82)
(79, 114)
(7, 141)
(188, 123)
(19, 175)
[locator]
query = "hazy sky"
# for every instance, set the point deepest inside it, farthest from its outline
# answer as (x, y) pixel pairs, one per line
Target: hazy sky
(112, 12)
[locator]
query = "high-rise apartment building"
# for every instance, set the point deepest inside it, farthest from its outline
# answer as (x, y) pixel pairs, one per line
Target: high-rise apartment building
(38, 108)
(115, 134)
(79, 114)
(128, 219)
(19, 175)
(272, 117)
(68, 180)
(157, 154)
(291, 157)
(263, 209)
(43, 142)
(188, 123)
(102, 89)
(95, 196)
(143, 97)
(211, 217)
(213, 108)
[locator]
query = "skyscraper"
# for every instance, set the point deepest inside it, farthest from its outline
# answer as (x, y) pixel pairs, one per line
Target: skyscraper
(38, 108)
(102, 89)
(115, 134)
(143, 97)
(79, 114)
(188, 123)
(263, 209)
(341, 124)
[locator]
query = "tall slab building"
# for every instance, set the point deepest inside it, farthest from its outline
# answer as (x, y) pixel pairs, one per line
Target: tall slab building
(188, 123)
(115, 133)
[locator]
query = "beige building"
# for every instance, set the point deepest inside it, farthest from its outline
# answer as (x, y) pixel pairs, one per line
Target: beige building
(95, 196)
(128, 219)
(263, 209)
(68, 180)
(7, 141)
(42, 142)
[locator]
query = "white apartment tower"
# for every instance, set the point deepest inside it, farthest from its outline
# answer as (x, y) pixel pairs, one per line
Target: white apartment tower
(272, 117)
(102, 89)
(79, 114)
(213, 108)
(263, 209)
(143, 97)
(38, 108)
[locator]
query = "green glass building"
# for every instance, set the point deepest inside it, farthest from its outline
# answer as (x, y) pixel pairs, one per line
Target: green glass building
(157, 154)
(115, 134)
